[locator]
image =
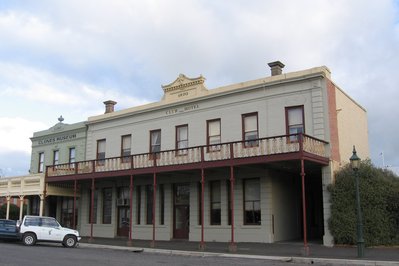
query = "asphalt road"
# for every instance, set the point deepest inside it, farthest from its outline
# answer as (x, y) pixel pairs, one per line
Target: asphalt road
(16, 254)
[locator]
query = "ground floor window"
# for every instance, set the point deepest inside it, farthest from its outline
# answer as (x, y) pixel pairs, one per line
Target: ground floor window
(161, 204)
(149, 203)
(95, 200)
(107, 205)
(215, 199)
(67, 219)
(35, 205)
(138, 204)
(252, 201)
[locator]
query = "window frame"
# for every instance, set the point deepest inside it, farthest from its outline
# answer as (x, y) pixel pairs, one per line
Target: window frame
(287, 122)
(181, 151)
(149, 202)
(161, 204)
(250, 143)
(213, 201)
(245, 220)
(40, 167)
(56, 157)
(107, 202)
(124, 157)
(101, 161)
(95, 205)
(160, 141)
(213, 147)
(138, 205)
(70, 158)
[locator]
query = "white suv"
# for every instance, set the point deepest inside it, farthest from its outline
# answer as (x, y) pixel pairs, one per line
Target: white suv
(40, 228)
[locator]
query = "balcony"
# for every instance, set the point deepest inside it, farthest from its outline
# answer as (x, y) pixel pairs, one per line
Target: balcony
(278, 148)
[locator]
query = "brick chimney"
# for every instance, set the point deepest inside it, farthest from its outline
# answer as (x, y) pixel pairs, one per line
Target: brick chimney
(109, 106)
(276, 68)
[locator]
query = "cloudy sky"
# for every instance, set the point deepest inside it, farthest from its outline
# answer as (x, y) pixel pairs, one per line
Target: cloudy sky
(65, 57)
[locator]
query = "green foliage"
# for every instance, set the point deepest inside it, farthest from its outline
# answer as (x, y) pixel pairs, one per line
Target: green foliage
(379, 199)
(14, 211)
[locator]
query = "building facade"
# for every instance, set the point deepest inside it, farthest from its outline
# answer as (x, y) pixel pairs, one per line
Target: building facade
(248, 162)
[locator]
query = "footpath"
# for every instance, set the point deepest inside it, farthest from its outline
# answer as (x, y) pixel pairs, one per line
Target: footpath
(287, 251)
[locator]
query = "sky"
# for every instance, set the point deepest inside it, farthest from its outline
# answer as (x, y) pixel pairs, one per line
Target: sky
(65, 57)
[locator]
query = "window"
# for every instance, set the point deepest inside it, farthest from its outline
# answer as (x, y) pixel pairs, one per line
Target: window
(215, 203)
(250, 129)
(123, 196)
(294, 121)
(138, 202)
(155, 141)
(161, 204)
(95, 200)
(107, 205)
(35, 205)
(67, 212)
(41, 162)
(228, 188)
(251, 201)
(101, 152)
(72, 155)
(213, 135)
(149, 203)
(199, 189)
(182, 139)
(56, 155)
(125, 148)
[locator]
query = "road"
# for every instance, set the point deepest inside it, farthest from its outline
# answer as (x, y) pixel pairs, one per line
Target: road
(16, 254)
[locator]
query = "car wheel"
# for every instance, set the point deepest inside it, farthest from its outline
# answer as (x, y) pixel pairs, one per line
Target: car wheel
(29, 239)
(69, 242)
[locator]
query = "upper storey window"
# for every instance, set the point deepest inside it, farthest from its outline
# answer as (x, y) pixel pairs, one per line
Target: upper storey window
(41, 162)
(155, 141)
(101, 151)
(250, 129)
(182, 138)
(126, 147)
(72, 155)
(56, 157)
(295, 121)
(213, 134)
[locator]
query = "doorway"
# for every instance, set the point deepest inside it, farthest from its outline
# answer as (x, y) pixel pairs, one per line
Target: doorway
(123, 221)
(181, 210)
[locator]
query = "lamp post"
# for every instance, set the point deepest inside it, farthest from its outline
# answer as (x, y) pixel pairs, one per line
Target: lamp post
(355, 163)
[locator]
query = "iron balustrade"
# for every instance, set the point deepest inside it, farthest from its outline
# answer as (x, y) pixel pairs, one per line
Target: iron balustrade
(295, 143)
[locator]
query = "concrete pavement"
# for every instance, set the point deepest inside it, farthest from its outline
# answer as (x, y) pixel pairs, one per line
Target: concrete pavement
(286, 251)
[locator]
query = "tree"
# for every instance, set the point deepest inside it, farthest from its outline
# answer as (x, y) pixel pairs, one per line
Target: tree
(14, 211)
(379, 196)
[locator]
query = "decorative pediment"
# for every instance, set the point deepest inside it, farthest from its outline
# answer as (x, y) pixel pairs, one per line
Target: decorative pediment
(183, 88)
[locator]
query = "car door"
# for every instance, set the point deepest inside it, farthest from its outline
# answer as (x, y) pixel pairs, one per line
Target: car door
(50, 229)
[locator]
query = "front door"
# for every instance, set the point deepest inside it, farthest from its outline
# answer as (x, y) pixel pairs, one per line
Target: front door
(123, 221)
(181, 211)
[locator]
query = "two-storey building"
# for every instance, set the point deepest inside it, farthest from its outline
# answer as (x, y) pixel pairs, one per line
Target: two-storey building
(248, 162)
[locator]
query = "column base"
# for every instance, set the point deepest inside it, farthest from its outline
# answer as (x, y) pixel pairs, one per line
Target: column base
(90, 240)
(152, 244)
(202, 246)
(129, 243)
(305, 251)
(232, 247)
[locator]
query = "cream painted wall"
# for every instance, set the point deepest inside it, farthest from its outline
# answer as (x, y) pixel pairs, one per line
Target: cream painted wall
(352, 128)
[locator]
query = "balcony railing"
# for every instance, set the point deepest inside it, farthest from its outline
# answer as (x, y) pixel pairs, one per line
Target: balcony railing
(224, 151)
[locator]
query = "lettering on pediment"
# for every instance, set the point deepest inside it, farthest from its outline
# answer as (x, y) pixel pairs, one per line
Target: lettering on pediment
(184, 88)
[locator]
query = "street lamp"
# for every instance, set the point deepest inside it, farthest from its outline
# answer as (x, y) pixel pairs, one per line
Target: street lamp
(355, 163)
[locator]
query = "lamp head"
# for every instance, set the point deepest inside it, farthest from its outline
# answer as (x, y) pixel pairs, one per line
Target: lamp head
(355, 160)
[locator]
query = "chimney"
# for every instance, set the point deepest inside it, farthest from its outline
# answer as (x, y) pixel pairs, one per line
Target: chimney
(276, 68)
(109, 106)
